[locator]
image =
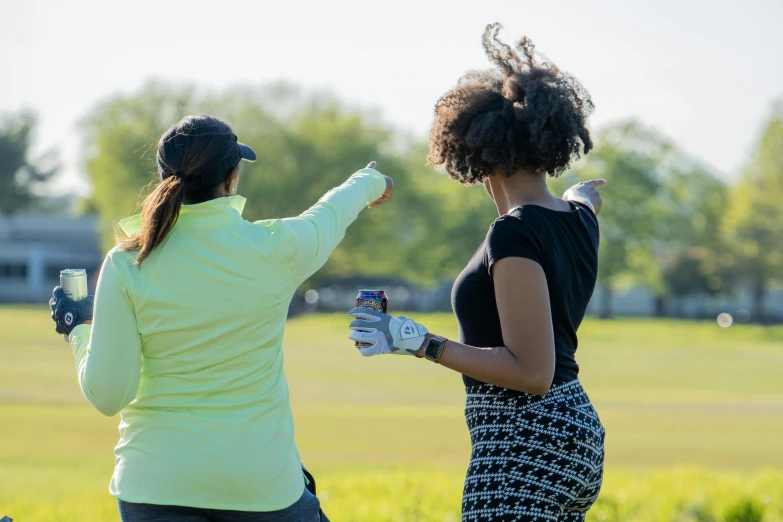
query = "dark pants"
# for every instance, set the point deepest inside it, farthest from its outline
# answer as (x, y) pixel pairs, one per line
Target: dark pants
(306, 509)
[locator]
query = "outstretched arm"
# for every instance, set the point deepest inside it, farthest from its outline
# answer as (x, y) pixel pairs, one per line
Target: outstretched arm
(526, 361)
(307, 241)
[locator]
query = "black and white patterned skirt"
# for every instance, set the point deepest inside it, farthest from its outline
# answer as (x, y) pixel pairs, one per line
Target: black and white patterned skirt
(534, 458)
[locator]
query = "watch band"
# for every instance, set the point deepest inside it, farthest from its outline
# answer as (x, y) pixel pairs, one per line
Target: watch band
(434, 348)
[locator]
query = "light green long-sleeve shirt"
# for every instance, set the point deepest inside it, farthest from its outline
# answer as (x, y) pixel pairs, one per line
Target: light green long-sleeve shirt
(188, 347)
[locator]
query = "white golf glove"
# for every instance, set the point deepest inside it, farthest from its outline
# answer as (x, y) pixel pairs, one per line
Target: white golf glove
(383, 333)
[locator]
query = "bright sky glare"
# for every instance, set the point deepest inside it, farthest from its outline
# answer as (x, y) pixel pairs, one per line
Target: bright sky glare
(703, 72)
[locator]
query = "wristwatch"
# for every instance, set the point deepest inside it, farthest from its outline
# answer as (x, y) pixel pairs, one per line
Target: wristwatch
(434, 348)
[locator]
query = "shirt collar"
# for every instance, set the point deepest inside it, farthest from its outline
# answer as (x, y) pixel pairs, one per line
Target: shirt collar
(213, 212)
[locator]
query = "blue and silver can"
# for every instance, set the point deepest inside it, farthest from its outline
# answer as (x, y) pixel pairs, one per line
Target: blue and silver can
(375, 299)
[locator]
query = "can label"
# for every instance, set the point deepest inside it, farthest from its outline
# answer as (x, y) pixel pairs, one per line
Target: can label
(375, 299)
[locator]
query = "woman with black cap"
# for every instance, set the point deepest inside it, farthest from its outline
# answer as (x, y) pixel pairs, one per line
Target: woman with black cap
(187, 336)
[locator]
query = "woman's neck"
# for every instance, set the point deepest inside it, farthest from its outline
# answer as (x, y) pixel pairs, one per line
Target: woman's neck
(523, 188)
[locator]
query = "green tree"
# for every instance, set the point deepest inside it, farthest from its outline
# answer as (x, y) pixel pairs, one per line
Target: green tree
(449, 222)
(20, 175)
(697, 203)
(119, 141)
(754, 224)
(624, 158)
(307, 144)
(661, 222)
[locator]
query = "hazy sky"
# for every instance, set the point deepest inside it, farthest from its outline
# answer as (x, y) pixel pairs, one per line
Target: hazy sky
(703, 72)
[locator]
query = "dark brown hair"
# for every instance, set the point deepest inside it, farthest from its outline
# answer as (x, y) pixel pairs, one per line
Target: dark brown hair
(195, 156)
(521, 115)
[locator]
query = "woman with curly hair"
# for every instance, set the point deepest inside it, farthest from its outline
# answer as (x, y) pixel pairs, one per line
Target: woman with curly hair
(537, 442)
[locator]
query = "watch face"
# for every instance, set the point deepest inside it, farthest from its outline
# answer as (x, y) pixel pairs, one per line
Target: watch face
(433, 349)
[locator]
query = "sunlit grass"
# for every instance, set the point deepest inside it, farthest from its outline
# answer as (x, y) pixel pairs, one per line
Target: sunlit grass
(693, 413)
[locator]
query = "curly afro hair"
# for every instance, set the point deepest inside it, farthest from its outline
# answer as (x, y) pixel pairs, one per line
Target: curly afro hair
(519, 115)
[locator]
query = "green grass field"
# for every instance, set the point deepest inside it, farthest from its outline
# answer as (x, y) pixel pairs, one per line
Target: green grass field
(693, 413)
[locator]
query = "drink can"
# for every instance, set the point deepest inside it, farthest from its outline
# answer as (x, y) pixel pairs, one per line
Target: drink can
(375, 299)
(73, 281)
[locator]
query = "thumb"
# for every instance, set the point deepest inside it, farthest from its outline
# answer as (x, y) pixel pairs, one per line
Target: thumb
(596, 182)
(372, 165)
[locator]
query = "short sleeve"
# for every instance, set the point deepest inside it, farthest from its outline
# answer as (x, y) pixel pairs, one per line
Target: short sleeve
(587, 211)
(510, 236)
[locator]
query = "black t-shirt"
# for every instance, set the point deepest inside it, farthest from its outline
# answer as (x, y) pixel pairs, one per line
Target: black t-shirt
(565, 244)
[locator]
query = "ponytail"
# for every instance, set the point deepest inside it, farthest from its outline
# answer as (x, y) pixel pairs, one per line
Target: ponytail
(159, 213)
(200, 152)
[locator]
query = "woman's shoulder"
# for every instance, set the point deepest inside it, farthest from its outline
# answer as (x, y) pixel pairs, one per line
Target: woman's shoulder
(519, 225)
(119, 257)
(519, 219)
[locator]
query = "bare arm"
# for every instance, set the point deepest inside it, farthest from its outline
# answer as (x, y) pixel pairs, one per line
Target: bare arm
(527, 361)
(304, 243)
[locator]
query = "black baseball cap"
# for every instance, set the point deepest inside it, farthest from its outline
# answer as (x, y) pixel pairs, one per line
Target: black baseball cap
(214, 170)
(248, 154)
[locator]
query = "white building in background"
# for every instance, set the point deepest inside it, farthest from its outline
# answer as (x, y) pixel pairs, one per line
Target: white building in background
(35, 247)
(640, 302)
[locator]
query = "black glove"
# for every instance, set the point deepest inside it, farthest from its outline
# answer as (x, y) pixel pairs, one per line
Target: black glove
(67, 313)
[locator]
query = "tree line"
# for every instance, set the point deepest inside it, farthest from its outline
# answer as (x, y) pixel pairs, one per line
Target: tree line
(669, 223)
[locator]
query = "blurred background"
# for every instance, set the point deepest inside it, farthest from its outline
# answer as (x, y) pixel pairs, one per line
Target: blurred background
(682, 351)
